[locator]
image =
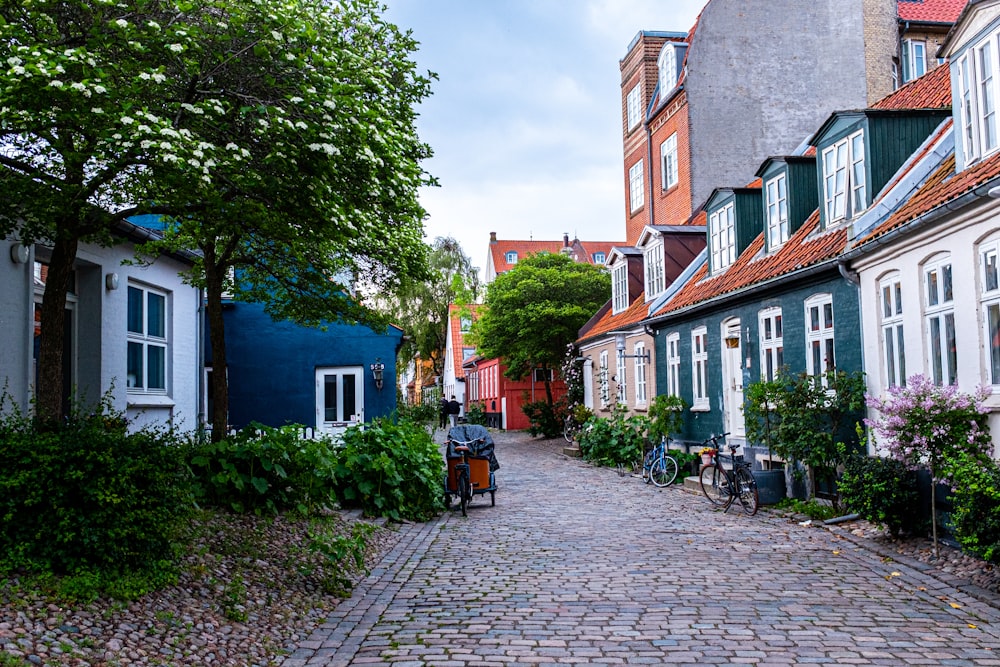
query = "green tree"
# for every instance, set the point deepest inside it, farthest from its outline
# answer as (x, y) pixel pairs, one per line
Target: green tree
(420, 307)
(278, 137)
(535, 310)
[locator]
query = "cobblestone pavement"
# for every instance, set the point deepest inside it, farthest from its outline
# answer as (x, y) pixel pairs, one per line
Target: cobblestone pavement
(576, 565)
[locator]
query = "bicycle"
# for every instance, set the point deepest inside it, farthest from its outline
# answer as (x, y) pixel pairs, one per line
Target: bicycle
(659, 467)
(571, 428)
(724, 486)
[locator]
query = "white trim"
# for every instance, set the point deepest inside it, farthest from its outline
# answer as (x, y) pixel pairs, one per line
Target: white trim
(776, 208)
(819, 324)
(699, 369)
(891, 340)
(939, 321)
(722, 237)
(636, 186)
(771, 340)
(669, 175)
(633, 108)
(673, 347)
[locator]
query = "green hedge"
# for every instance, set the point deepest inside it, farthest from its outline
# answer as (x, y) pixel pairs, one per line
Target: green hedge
(881, 490)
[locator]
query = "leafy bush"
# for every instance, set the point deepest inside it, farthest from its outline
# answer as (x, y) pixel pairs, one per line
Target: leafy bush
(618, 440)
(266, 469)
(545, 419)
(882, 491)
(810, 508)
(684, 462)
(666, 416)
(88, 498)
(976, 508)
(391, 469)
(418, 413)
(476, 414)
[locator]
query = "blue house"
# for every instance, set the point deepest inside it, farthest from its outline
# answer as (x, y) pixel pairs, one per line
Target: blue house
(327, 379)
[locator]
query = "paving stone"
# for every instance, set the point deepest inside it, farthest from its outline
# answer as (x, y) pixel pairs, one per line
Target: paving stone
(576, 565)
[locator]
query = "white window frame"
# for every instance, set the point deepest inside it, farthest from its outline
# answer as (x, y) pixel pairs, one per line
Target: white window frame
(699, 369)
(599, 258)
(633, 107)
(639, 351)
(621, 378)
(939, 322)
(890, 304)
(772, 345)
(989, 302)
(668, 162)
(914, 59)
(666, 66)
(722, 236)
(145, 341)
(776, 192)
(602, 379)
(673, 347)
(844, 180)
(977, 99)
(653, 262)
(511, 257)
(820, 338)
(619, 287)
(636, 186)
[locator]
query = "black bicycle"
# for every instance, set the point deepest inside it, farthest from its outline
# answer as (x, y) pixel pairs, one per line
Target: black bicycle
(724, 486)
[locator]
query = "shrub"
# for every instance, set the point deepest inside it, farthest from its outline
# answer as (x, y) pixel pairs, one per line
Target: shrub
(266, 469)
(418, 413)
(390, 469)
(88, 498)
(976, 508)
(545, 419)
(882, 491)
(476, 414)
(666, 416)
(618, 440)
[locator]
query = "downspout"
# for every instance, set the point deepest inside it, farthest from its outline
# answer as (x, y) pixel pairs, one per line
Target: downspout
(649, 161)
(200, 380)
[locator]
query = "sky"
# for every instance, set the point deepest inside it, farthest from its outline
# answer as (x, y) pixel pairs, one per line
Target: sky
(525, 116)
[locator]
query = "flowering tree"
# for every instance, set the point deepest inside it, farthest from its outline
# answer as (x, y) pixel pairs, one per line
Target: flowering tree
(279, 137)
(923, 424)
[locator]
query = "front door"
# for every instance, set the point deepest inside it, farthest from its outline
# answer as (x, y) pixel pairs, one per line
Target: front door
(339, 398)
(732, 375)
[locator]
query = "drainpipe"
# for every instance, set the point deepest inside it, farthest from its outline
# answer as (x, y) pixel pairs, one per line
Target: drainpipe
(200, 376)
(649, 161)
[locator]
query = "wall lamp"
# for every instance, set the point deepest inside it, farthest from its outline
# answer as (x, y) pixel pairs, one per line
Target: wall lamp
(19, 253)
(620, 346)
(377, 369)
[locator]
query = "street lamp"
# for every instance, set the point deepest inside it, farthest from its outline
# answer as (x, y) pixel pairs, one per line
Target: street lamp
(377, 369)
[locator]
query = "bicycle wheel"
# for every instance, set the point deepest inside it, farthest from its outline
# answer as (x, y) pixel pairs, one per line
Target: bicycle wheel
(464, 491)
(714, 484)
(664, 471)
(568, 430)
(647, 466)
(746, 490)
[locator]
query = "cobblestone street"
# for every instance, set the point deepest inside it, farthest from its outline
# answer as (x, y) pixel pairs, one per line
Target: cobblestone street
(576, 565)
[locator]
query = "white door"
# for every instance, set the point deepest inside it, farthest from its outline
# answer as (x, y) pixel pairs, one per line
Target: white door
(732, 375)
(340, 398)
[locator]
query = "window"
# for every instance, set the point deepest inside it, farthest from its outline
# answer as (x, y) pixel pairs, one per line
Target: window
(599, 257)
(674, 364)
(640, 373)
(468, 352)
(668, 161)
(777, 211)
(891, 311)
(465, 323)
(977, 100)
(621, 393)
(602, 379)
(511, 257)
(147, 340)
(633, 107)
(635, 186)
(914, 59)
(542, 375)
(722, 231)
(699, 367)
(989, 294)
(653, 262)
(939, 318)
(819, 335)
(666, 65)
(619, 287)
(771, 344)
(844, 184)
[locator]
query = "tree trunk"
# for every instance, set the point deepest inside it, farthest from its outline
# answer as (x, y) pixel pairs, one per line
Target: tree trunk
(217, 339)
(548, 385)
(50, 390)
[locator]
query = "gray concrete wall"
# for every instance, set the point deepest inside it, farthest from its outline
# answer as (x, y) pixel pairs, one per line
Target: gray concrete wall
(762, 77)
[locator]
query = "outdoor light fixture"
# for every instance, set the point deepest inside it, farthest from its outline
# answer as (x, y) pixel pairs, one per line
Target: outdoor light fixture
(377, 368)
(111, 281)
(19, 253)
(620, 346)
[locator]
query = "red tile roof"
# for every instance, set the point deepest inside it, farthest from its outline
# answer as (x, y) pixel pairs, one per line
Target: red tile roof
(931, 91)
(500, 249)
(455, 323)
(632, 315)
(930, 11)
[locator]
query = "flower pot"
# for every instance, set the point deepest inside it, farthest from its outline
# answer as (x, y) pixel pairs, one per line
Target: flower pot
(706, 459)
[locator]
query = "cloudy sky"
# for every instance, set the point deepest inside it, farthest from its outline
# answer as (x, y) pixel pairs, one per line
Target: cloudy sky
(525, 118)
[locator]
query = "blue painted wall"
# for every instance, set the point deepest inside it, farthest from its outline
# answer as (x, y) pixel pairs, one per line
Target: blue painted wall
(272, 365)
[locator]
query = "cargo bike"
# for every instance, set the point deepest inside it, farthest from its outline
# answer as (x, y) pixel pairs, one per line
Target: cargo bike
(471, 465)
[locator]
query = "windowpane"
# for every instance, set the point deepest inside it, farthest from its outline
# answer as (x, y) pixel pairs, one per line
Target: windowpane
(948, 294)
(990, 270)
(993, 317)
(135, 310)
(827, 315)
(951, 348)
(935, 334)
(156, 367)
(134, 363)
(887, 301)
(330, 413)
(814, 318)
(157, 315)
(987, 111)
(890, 357)
(932, 288)
(902, 355)
(777, 326)
(350, 395)
(899, 297)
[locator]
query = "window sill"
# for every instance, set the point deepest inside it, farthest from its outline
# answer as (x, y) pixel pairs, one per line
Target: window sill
(992, 402)
(149, 401)
(701, 407)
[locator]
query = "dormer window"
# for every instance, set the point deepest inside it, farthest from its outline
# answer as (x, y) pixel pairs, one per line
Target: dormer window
(667, 66)
(914, 59)
(722, 237)
(777, 211)
(653, 261)
(977, 100)
(844, 184)
(511, 257)
(619, 288)
(633, 107)
(599, 258)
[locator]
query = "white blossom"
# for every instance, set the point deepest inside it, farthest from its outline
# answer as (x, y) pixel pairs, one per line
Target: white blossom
(97, 110)
(176, 48)
(121, 23)
(159, 78)
(144, 76)
(100, 90)
(56, 83)
(232, 147)
(18, 70)
(14, 61)
(127, 121)
(153, 24)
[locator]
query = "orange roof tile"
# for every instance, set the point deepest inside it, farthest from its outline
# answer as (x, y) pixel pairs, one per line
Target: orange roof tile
(930, 91)
(523, 249)
(930, 11)
(632, 315)
(455, 323)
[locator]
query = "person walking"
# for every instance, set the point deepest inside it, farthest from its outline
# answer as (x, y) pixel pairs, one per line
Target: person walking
(443, 409)
(453, 411)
